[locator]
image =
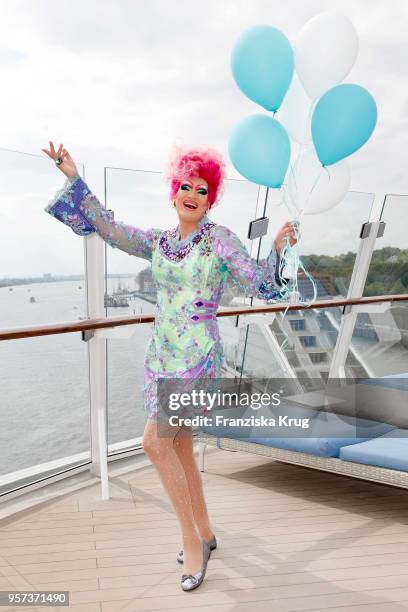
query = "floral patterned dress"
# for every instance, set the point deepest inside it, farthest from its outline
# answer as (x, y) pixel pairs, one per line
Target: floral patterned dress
(190, 276)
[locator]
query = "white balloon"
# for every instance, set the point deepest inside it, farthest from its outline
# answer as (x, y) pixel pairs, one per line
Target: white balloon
(325, 51)
(314, 189)
(295, 112)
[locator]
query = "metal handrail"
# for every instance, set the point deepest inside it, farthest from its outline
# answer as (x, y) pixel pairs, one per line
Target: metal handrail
(87, 324)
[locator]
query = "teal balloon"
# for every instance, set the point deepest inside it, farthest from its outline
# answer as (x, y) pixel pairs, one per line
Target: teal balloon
(343, 120)
(262, 63)
(259, 148)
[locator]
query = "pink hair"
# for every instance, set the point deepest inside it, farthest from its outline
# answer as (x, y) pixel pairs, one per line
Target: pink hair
(206, 163)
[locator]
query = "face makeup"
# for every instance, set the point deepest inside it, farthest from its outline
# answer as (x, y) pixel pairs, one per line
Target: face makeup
(192, 198)
(200, 187)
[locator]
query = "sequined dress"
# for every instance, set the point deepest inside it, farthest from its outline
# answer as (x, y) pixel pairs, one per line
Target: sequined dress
(189, 276)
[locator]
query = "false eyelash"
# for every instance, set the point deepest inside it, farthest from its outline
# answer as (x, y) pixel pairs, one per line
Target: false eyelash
(186, 187)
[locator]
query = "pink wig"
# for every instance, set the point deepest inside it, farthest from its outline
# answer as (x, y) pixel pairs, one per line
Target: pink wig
(206, 163)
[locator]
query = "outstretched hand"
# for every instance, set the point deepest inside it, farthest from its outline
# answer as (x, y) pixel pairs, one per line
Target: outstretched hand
(67, 166)
(286, 230)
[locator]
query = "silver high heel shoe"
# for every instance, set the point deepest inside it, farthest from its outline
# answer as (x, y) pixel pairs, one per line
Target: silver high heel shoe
(212, 544)
(192, 581)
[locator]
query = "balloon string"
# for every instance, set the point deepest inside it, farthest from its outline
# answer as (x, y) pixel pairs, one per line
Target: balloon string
(290, 254)
(313, 187)
(301, 147)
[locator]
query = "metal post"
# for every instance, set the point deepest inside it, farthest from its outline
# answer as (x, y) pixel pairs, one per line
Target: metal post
(95, 283)
(368, 235)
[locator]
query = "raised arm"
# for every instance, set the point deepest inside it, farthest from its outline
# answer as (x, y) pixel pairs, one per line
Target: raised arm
(76, 206)
(258, 279)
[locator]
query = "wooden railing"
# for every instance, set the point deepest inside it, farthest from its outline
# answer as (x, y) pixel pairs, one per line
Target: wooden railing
(89, 324)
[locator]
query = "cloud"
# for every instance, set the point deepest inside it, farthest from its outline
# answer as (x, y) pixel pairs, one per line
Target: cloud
(119, 81)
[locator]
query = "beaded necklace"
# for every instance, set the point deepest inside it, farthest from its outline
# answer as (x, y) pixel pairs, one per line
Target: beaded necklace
(168, 242)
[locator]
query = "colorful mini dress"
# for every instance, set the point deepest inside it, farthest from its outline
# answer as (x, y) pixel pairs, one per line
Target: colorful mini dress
(189, 276)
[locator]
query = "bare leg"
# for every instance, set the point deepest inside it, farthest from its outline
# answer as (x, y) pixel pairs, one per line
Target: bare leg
(183, 445)
(162, 454)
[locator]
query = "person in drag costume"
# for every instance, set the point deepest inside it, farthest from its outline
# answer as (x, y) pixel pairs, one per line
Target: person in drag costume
(191, 265)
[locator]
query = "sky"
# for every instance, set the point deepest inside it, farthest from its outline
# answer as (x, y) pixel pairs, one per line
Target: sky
(119, 81)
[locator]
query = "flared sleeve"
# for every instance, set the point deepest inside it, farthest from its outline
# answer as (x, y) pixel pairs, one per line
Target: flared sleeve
(261, 279)
(78, 208)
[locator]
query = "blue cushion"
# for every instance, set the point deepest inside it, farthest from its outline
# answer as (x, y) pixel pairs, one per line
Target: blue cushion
(248, 433)
(335, 432)
(384, 399)
(388, 451)
(391, 381)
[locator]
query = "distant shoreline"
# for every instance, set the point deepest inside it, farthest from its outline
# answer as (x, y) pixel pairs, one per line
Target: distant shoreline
(11, 282)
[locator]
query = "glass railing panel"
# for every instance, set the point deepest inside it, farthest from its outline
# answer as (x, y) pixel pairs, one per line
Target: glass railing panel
(238, 206)
(126, 413)
(379, 345)
(388, 272)
(261, 358)
(328, 248)
(329, 241)
(301, 343)
(41, 260)
(232, 339)
(137, 198)
(45, 409)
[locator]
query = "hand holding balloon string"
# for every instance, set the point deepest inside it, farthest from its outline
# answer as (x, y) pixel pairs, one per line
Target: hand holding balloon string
(286, 239)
